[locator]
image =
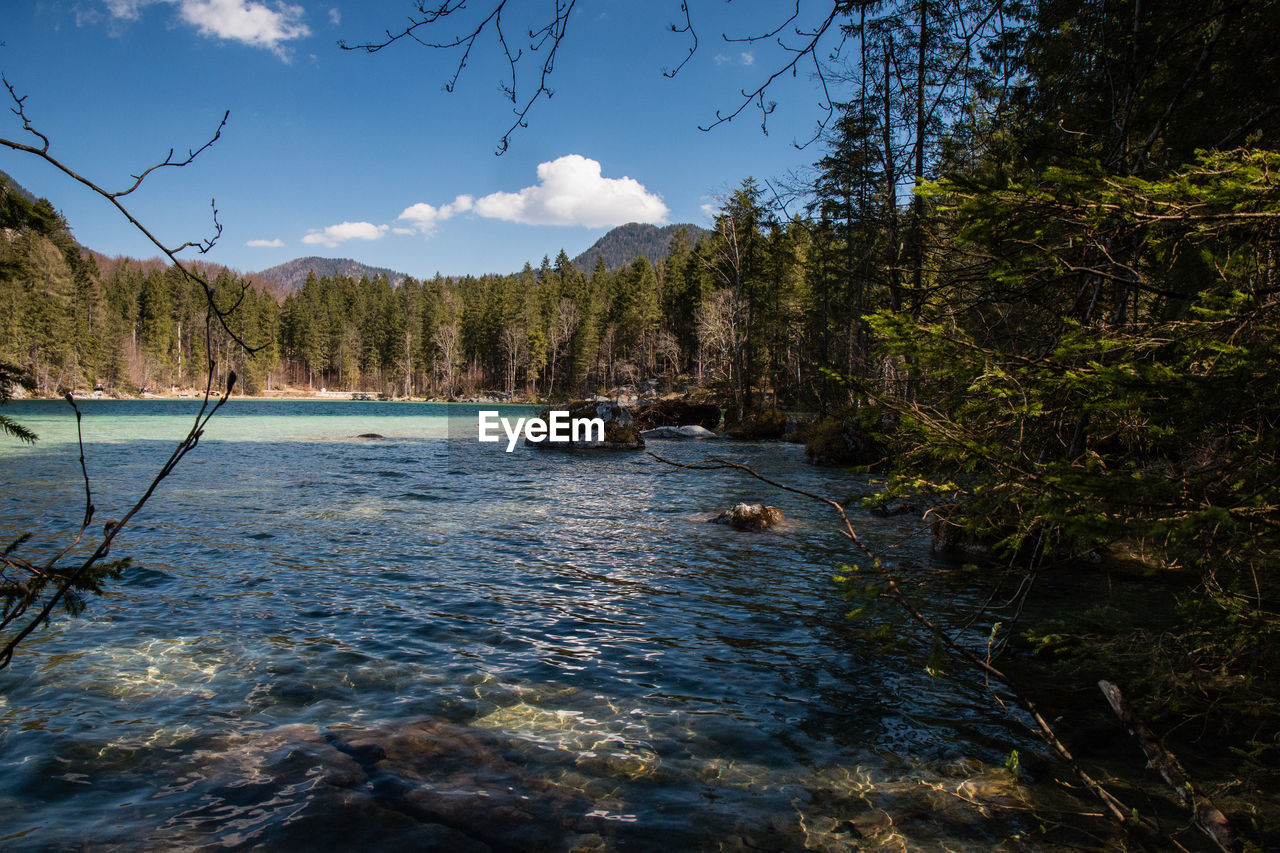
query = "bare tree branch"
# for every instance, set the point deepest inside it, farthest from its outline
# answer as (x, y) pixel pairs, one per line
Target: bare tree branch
(693, 35)
(756, 96)
(171, 252)
(168, 161)
(24, 590)
(550, 36)
(67, 580)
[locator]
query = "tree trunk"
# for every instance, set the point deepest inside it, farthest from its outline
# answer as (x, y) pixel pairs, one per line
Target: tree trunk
(917, 202)
(891, 191)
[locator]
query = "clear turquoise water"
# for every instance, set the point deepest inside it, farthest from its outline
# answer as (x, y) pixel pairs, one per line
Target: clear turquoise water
(419, 642)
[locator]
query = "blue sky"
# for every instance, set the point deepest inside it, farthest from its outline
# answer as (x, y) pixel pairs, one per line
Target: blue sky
(344, 154)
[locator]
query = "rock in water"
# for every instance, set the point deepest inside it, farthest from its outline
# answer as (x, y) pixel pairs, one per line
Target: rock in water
(660, 413)
(620, 432)
(750, 517)
(689, 431)
(854, 436)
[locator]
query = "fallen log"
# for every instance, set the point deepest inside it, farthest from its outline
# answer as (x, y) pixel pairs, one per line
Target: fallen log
(1207, 816)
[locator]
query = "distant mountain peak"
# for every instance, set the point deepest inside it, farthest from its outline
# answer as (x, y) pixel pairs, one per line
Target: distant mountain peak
(624, 244)
(291, 275)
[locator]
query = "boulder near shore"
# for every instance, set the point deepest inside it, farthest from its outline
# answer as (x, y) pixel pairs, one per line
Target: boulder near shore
(620, 431)
(676, 413)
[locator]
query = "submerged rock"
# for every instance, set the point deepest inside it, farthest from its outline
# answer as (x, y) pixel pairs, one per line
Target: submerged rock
(620, 431)
(953, 539)
(750, 517)
(895, 508)
(689, 431)
(425, 784)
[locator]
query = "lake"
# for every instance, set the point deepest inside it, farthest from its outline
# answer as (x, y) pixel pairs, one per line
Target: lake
(423, 642)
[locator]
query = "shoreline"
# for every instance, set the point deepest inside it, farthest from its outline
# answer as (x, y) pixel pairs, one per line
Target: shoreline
(328, 396)
(629, 400)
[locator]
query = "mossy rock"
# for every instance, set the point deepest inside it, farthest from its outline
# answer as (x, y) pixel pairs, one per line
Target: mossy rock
(677, 413)
(799, 430)
(620, 430)
(852, 436)
(756, 426)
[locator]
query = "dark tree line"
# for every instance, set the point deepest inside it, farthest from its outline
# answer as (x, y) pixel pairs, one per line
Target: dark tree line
(710, 312)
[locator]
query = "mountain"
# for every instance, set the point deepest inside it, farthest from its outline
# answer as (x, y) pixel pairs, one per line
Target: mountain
(9, 185)
(17, 188)
(627, 242)
(292, 274)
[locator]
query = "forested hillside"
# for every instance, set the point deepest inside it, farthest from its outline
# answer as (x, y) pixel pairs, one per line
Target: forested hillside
(291, 274)
(624, 244)
(67, 324)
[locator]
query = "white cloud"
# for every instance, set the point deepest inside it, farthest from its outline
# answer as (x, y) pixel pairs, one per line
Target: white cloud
(571, 191)
(425, 217)
(86, 17)
(335, 17)
(126, 9)
(266, 244)
(245, 21)
(746, 58)
(342, 232)
(709, 211)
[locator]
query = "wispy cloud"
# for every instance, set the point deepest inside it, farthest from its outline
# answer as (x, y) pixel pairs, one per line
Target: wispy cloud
(572, 190)
(335, 235)
(126, 9)
(266, 244)
(244, 21)
(424, 216)
(745, 58)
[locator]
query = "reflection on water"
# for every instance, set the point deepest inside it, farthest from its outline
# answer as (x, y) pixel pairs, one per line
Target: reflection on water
(416, 642)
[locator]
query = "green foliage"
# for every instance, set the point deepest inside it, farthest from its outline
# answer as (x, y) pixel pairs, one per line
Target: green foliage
(9, 377)
(1013, 764)
(1126, 398)
(1146, 415)
(26, 585)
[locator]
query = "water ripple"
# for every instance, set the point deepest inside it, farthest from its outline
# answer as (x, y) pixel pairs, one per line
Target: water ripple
(417, 641)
